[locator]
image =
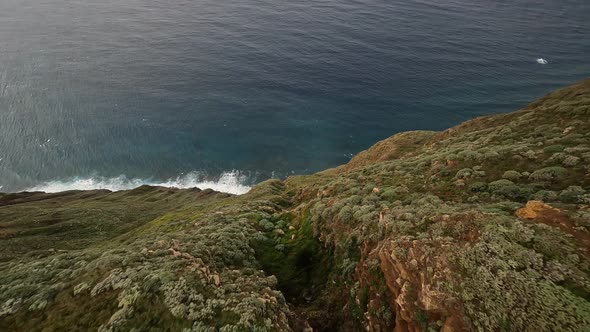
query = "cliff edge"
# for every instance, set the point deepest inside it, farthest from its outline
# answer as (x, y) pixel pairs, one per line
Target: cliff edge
(482, 227)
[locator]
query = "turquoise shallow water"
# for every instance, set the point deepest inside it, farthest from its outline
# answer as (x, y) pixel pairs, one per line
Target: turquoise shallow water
(227, 93)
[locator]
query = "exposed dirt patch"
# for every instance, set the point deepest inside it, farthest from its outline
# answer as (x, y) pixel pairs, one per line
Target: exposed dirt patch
(539, 212)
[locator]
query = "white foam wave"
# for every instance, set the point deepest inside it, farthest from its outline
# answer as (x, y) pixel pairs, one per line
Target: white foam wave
(542, 61)
(229, 182)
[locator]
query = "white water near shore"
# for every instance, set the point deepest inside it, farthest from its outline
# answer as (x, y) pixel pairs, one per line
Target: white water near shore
(229, 182)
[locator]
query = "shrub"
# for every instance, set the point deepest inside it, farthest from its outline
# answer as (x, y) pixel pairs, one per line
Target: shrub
(511, 175)
(545, 196)
(553, 148)
(465, 173)
(505, 131)
(573, 138)
(388, 194)
(266, 225)
(584, 199)
(548, 173)
(444, 172)
(557, 157)
(345, 214)
(571, 194)
(478, 187)
(508, 189)
(571, 161)
(371, 199)
(354, 200)
(469, 155)
(498, 185)
(529, 154)
(473, 199)
(491, 155)
(368, 188)
(478, 171)
(452, 156)
(365, 213)
(401, 190)
(564, 159)
(577, 149)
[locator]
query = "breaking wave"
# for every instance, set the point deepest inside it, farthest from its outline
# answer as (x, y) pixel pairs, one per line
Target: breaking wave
(542, 61)
(229, 182)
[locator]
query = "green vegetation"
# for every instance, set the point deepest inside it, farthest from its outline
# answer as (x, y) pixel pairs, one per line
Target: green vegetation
(424, 231)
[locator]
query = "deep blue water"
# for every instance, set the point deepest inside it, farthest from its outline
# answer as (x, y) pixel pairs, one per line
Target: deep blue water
(120, 92)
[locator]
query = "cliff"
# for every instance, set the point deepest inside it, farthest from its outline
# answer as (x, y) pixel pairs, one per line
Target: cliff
(482, 227)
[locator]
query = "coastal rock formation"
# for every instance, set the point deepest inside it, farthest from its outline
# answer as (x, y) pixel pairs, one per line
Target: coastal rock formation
(409, 270)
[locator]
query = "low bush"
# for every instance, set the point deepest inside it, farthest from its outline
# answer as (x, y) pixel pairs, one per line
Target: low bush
(509, 189)
(553, 148)
(552, 173)
(478, 187)
(545, 196)
(499, 185)
(465, 173)
(571, 161)
(511, 175)
(571, 194)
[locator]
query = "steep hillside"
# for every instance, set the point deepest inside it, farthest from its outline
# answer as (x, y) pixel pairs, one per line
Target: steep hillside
(482, 227)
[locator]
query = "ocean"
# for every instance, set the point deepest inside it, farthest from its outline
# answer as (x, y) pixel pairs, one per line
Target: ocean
(224, 94)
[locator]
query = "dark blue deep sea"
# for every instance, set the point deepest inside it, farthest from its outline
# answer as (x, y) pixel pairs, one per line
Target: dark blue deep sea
(225, 93)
